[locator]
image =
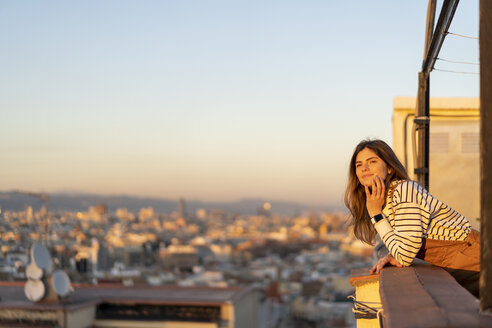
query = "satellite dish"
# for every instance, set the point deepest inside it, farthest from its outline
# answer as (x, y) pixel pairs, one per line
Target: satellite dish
(35, 290)
(33, 272)
(61, 283)
(41, 256)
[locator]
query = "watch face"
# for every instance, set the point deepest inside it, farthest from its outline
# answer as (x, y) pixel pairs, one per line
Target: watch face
(377, 218)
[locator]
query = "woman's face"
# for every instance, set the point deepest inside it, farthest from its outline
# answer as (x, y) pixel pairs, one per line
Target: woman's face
(368, 165)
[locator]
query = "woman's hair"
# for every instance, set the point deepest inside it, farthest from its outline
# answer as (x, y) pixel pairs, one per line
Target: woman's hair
(355, 196)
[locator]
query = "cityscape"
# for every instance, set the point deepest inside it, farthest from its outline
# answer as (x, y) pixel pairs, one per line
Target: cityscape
(300, 264)
(183, 164)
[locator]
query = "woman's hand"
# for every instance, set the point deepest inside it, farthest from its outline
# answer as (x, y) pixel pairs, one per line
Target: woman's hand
(382, 262)
(375, 197)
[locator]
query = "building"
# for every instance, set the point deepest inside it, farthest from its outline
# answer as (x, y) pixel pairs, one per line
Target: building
(146, 306)
(182, 257)
(454, 150)
(182, 208)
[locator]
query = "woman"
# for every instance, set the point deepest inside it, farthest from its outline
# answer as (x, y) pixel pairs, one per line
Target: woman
(410, 221)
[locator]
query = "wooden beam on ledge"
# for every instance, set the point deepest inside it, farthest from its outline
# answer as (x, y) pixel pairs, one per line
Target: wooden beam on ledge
(486, 154)
(427, 296)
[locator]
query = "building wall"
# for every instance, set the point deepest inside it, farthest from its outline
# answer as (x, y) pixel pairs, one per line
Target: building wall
(151, 324)
(80, 318)
(454, 176)
(28, 314)
(246, 310)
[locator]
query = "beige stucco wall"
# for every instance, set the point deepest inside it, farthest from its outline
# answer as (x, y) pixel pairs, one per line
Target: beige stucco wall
(367, 292)
(454, 151)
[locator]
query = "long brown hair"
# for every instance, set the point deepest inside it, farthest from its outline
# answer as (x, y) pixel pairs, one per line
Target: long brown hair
(355, 196)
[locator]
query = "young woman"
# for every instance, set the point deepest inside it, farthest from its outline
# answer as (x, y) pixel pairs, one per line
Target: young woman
(410, 221)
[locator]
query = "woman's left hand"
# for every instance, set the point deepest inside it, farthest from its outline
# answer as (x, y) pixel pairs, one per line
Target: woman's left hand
(382, 262)
(375, 198)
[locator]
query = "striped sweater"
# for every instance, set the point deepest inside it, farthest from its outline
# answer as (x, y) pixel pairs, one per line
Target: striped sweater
(410, 214)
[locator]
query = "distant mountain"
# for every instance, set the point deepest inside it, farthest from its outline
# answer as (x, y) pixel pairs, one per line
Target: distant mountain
(81, 202)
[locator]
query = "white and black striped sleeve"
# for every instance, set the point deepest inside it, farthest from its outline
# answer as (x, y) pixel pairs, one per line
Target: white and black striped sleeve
(403, 238)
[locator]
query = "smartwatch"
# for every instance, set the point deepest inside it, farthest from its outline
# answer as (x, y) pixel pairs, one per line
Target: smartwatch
(376, 218)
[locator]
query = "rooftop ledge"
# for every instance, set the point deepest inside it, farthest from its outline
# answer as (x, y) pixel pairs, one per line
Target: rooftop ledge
(419, 296)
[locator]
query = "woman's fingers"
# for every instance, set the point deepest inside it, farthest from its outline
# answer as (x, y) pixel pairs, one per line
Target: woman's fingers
(376, 267)
(375, 195)
(381, 187)
(378, 187)
(379, 265)
(382, 262)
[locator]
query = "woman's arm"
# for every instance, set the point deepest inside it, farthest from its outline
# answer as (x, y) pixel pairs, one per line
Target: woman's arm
(404, 238)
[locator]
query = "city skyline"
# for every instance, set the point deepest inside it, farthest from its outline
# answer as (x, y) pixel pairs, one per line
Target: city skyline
(210, 101)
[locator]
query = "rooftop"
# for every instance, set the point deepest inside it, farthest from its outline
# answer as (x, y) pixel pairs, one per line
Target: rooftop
(422, 296)
(12, 296)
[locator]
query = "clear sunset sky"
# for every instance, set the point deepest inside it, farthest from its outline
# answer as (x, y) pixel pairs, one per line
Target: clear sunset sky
(210, 100)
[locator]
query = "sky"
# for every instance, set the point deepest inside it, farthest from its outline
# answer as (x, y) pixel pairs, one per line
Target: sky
(210, 100)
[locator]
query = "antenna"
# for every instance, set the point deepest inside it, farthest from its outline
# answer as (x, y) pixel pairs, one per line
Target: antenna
(40, 256)
(33, 272)
(35, 290)
(61, 283)
(40, 285)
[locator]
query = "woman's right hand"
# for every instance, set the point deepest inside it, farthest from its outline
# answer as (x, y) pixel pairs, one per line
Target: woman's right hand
(375, 196)
(382, 262)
